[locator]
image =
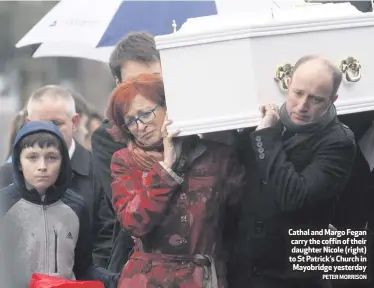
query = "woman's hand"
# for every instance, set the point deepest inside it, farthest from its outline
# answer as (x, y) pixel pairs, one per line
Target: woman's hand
(169, 152)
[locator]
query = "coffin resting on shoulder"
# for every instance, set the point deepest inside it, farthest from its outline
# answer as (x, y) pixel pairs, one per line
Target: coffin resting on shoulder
(217, 70)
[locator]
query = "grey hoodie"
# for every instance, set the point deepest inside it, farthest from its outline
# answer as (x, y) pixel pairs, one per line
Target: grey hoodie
(50, 236)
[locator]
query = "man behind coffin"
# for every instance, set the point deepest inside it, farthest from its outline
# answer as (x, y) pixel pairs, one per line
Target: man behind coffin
(297, 160)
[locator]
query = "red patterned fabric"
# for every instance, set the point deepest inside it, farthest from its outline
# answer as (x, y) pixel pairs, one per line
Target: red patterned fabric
(143, 157)
(177, 221)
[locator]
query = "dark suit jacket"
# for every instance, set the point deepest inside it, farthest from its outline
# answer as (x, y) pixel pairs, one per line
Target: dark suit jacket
(103, 148)
(86, 185)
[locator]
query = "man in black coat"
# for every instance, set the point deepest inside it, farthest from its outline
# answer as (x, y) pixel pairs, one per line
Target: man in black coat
(56, 104)
(133, 55)
(298, 159)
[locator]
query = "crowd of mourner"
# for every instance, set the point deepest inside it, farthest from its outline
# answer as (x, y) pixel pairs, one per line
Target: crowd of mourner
(119, 199)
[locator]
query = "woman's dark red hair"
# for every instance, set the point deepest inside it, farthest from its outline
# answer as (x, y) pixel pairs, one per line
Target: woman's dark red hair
(150, 86)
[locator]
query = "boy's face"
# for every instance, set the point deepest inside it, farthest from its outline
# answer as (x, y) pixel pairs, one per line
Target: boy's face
(40, 166)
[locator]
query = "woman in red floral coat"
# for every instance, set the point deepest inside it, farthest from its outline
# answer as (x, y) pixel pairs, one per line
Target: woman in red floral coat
(176, 196)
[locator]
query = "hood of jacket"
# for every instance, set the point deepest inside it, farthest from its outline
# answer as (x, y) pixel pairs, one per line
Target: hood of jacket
(54, 192)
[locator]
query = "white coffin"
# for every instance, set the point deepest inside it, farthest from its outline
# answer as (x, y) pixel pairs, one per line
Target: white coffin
(217, 73)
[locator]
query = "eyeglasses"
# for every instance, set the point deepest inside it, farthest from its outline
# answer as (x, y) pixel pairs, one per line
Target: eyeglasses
(144, 117)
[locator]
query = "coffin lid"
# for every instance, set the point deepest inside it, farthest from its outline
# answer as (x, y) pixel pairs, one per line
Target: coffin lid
(296, 19)
(199, 38)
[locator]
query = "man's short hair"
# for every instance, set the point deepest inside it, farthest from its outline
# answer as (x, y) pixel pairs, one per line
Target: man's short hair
(336, 74)
(54, 93)
(136, 46)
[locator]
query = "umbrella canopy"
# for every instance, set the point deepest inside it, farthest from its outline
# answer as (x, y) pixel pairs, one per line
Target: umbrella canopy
(155, 17)
(73, 50)
(90, 29)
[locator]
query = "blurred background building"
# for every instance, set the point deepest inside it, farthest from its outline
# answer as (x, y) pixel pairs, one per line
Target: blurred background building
(20, 74)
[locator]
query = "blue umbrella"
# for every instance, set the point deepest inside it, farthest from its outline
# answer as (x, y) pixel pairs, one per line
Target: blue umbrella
(155, 17)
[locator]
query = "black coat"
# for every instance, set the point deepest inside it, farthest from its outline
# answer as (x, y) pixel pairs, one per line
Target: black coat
(103, 148)
(355, 205)
(286, 190)
(89, 187)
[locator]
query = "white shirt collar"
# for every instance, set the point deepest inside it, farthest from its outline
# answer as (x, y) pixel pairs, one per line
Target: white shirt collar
(72, 148)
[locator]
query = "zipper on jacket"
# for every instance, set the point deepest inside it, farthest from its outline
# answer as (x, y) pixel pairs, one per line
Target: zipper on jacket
(55, 251)
(46, 265)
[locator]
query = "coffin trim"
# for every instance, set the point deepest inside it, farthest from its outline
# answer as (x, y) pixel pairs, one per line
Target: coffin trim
(237, 122)
(228, 32)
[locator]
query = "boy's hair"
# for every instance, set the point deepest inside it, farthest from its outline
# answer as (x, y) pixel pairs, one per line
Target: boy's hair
(42, 139)
(136, 46)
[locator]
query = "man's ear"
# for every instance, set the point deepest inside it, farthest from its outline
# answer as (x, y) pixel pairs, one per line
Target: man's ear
(75, 120)
(334, 98)
(288, 82)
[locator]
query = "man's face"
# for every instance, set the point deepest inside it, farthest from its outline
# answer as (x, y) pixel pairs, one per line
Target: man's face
(57, 112)
(132, 69)
(40, 166)
(309, 93)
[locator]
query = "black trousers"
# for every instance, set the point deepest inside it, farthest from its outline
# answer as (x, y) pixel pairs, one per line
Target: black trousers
(122, 246)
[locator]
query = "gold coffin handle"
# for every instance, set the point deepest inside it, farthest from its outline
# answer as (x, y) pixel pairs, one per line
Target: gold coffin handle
(351, 69)
(282, 74)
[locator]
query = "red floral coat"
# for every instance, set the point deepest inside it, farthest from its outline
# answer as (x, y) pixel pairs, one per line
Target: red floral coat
(180, 225)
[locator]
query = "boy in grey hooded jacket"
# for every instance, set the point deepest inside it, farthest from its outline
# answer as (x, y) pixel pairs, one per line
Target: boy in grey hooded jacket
(44, 227)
